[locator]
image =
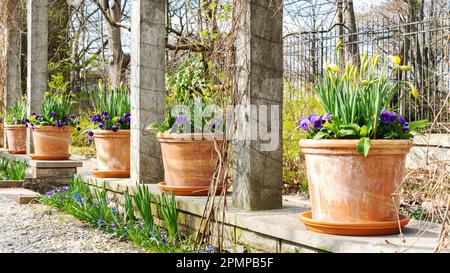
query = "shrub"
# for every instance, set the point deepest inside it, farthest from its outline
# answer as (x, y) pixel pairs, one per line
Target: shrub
(299, 100)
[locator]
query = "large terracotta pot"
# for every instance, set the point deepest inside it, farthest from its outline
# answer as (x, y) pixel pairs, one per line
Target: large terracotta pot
(189, 159)
(113, 150)
(51, 142)
(16, 136)
(346, 187)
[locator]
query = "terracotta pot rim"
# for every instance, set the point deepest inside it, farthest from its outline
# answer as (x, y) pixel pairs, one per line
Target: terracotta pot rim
(348, 147)
(189, 137)
(110, 132)
(17, 126)
(47, 128)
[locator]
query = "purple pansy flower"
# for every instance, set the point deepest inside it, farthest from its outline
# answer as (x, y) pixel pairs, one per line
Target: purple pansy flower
(402, 121)
(114, 128)
(304, 124)
(388, 117)
(181, 119)
(53, 114)
(326, 117)
(90, 133)
(316, 122)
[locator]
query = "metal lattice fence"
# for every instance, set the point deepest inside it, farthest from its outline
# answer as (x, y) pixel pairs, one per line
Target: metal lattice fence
(423, 45)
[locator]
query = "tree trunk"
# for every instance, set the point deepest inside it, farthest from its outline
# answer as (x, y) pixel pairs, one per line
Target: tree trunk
(341, 30)
(118, 61)
(350, 22)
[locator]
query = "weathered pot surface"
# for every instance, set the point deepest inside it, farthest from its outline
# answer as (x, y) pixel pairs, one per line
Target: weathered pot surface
(113, 150)
(189, 159)
(52, 141)
(346, 187)
(16, 136)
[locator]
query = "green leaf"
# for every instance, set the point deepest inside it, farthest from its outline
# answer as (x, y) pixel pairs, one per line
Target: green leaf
(321, 135)
(414, 125)
(364, 131)
(347, 133)
(363, 146)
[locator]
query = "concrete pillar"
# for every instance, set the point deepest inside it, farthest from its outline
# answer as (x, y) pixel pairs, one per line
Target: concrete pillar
(257, 181)
(37, 56)
(13, 54)
(148, 29)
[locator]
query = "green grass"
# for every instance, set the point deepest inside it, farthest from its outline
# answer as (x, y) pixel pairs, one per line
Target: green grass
(12, 170)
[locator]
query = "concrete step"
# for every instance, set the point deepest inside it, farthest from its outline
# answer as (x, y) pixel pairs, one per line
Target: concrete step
(21, 195)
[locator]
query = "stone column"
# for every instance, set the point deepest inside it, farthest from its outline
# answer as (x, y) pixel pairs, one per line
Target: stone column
(13, 54)
(37, 56)
(148, 29)
(257, 181)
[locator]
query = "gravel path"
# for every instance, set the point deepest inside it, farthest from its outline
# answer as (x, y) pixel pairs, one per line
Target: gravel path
(39, 228)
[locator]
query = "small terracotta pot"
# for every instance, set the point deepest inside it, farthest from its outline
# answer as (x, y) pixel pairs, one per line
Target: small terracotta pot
(16, 136)
(346, 187)
(51, 142)
(113, 150)
(189, 159)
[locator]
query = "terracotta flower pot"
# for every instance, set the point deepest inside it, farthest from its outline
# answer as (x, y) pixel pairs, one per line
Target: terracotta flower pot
(16, 136)
(51, 142)
(346, 187)
(188, 161)
(113, 153)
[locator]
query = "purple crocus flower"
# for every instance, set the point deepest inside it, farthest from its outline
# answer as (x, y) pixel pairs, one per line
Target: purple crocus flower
(304, 124)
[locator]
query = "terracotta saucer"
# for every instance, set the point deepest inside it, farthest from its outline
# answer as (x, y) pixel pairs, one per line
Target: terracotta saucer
(111, 174)
(49, 157)
(16, 152)
(353, 229)
(188, 190)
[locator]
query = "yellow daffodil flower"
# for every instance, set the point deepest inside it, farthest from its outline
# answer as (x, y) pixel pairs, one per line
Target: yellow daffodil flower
(414, 91)
(395, 59)
(333, 67)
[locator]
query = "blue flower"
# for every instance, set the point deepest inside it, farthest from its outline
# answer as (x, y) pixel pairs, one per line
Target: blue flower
(163, 240)
(114, 226)
(52, 192)
(99, 221)
(65, 188)
(114, 210)
(77, 198)
(209, 248)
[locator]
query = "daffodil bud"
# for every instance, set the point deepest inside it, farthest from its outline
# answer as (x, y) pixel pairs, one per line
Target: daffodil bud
(395, 59)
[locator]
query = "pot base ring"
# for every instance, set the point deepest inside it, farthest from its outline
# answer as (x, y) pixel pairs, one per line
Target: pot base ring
(16, 152)
(49, 157)
(354, 229)
(111, 174)
(188, 190)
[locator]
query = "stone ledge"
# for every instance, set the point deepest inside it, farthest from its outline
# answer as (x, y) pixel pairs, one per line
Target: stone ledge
(43, 163)
(283, 226)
